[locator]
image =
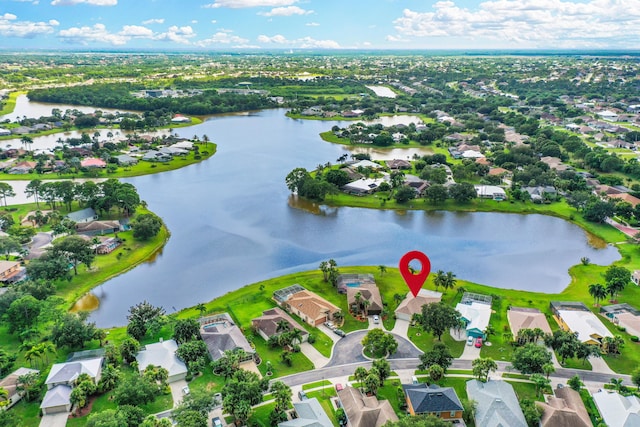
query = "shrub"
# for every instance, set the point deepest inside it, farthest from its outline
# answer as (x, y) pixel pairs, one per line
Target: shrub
(634, 338)
(311, 339)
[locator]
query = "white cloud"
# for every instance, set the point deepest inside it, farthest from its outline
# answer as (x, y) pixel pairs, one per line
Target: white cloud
(312, 24)
(136, 31)
(304, 43)
(395, 39)
(97, 33)
(177, 35)
(91, 2)
(222, 38)
(154, 21)
(530, 23)
(241, 4)
(10, 26)
(286, 11)
(213, 21)
(194, 21)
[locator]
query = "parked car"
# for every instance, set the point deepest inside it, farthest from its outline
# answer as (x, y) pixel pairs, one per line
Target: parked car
(328, 325)
(470, 341)
(216, 422)
(339, 387)
(217, 400)
(339, 332)
(376, 319)
(302, 395)
(479, 342)
(185, 390)
(414, 380)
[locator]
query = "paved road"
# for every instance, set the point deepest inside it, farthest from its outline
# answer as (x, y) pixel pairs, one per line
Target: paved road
(412, 363)
(348, 350)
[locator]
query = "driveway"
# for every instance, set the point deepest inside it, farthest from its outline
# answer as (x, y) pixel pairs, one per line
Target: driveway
(176, 391)
(349, 349)
(471, 352)
(54, 420)
(38, 244)
(401, 327)
(314, 355)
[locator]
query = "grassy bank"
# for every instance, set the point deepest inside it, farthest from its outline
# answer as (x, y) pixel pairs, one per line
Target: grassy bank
(10, 104)
(330, 137)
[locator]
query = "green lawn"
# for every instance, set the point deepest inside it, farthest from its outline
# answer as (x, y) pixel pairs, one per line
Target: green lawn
(299, 361)
(325, 401)
(316, 384)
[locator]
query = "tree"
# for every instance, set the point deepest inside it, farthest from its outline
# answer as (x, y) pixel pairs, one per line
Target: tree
(242, 391)
(23, 313)
(439, 355)
(28, 384)
(72, 330)
(404, 193)
(194, 354)
(360, 374)
(76, 250)
(436, 373)
(439, 279)
(109, 379)
(436, 194)
(530, 358)
(540, 381)
(9, 245)
(449, 281)
(463, 192)
(548, 369)
(135, 391)
(598, 292)
(4, 397)
(146, 226)
(438, 317)
(295, 179)
(564, 342)
(201, 308)
(378, 342)
(49, 267)
(197, 400)
(6, 190)
(372, 383)
(129, 349)
(482, 367)
(190, 418)
(532, 413)
(635, 377)
(382, 269)
(186, 330)
(282, 395)
(575, 383)
(384, 369)
(143, 317)
(597, 210)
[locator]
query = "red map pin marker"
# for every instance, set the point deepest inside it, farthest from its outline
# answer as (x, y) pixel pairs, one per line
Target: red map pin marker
(415, 281)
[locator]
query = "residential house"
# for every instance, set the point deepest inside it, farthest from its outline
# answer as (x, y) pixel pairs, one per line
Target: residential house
(60, 382)
(624, 316)
(156, 156)
(413, 305)
(308, 306)
(539, 193)
(173, 151)
(5, 132)
(179, 118)
(416, 183)
(362, 186)
(577, 318)
(499, 172)
(618, 410)
(565, 409)
(82, 216)
(21, 168)
(527, 318)
(497, 404)
(353, 280)
(267, 324)
(11, 271)
(309, 413)
(221, 334)
(366, 164)
(490, 192)
(626, 197)
(442, 402)
(398, 164)
(11, 383)
(476, 316)
(126, 160)
(107, 246)
(367, 292)
(95, 228)
(365, 411)
(184, 144)
(93, 162)
(163, 354)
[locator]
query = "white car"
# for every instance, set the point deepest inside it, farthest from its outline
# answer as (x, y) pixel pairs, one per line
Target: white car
(470, 341)
(185, 390)
(376, 319)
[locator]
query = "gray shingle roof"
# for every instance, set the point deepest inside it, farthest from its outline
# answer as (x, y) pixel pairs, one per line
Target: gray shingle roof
(57, 396)
(498, 404)
(425, 399)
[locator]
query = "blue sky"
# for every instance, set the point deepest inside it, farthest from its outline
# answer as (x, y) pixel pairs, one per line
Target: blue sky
(319, 24)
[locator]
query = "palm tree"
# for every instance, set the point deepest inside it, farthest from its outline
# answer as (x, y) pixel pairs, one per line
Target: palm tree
(296, 336)
(47, 347)
(548, 369)
(201, 308)
(598, 292)
(357, 297)
(449, 281)
(617, 383)
(398, 298)
(4, 397)
(365, 306)
(382, 269)
(338, 316)
(439, 279)
(283, 326)
(360, 374)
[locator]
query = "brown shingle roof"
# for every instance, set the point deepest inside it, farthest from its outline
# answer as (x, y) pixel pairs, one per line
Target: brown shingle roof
(566, 409)
(527, 318)
(369, 292)
(365, 411)
(268, 322)
(311, 304)
(412, 305)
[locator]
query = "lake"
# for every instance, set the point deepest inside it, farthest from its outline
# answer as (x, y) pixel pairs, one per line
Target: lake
(233, 223)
